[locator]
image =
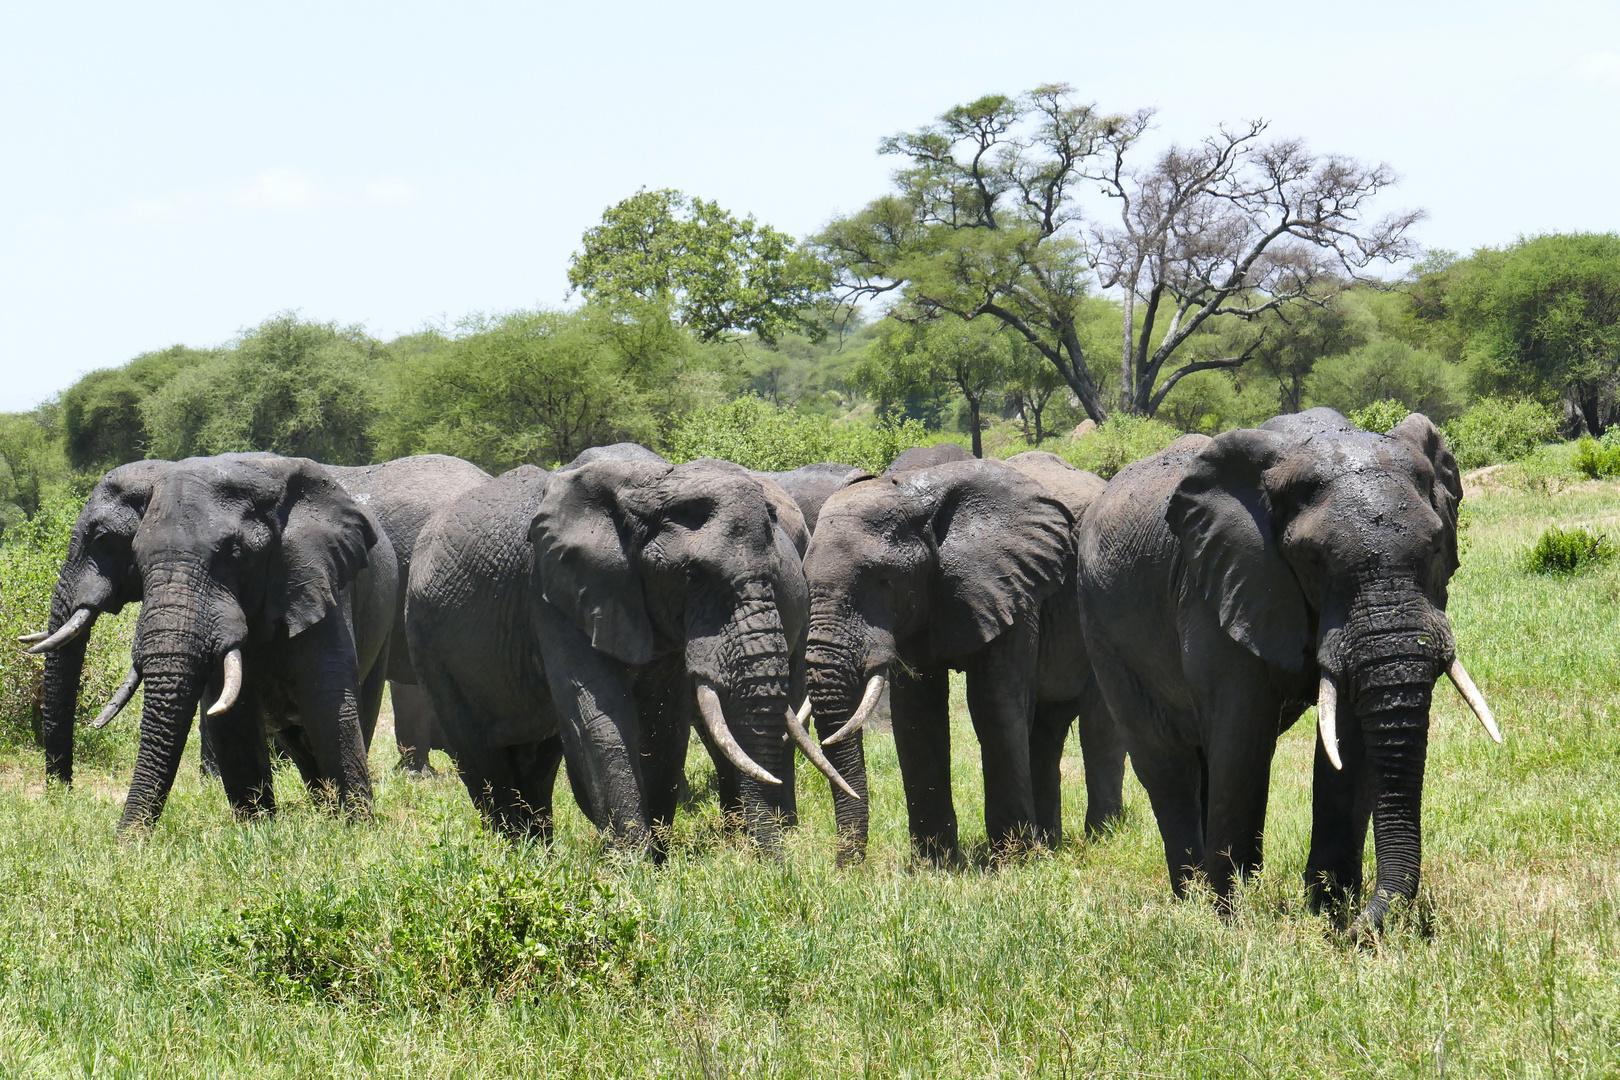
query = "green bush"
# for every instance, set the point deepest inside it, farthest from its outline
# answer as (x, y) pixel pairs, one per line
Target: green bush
(478, 918)
(1116, 443)
(30, 560)
(1380, 416)
(1496, 430)
(1564, 551)
(758, 435)
(1598, 458)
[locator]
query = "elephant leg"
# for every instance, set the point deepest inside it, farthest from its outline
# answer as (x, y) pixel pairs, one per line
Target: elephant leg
(663, 695)
(242, 754)
(1342, 802)
(1102, 746)
(371, 695)
(596, 712)
(919, 705)
(1046, 738)
(1001, 701)
(1237, 711)
(295, 748)
(326, 694)
(1174, 779)
(413, 727)
(727, 782)
(207, 758)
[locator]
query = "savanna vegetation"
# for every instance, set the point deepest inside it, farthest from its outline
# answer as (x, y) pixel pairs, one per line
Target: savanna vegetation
(973, 302)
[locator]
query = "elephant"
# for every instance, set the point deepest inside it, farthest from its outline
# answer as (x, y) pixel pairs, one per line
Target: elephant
(969, 566)
(924, 457)
(266, 592)
(573, 616)
(402, 494)
(1229, 583)
(810, 485)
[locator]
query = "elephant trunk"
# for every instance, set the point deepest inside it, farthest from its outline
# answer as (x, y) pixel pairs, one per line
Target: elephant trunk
(836, 677)
(64, 668)
(173, 685)
(1392, 709)
(176, 658)
(755, 670)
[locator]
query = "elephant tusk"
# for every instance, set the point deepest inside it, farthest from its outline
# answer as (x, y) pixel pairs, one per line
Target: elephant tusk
(715, 720)
(1476, 700)
(233, 683)
(36, 636)
(119, 700)
(1327, 720)
(795, 722)
(863, 712)
(69, 630)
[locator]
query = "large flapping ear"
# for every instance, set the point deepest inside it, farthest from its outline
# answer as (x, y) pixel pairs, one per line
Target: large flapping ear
(584, 547)
(1418, 433)
(326, 539)
(98, 572)
(1223, 515)
(1004, 545)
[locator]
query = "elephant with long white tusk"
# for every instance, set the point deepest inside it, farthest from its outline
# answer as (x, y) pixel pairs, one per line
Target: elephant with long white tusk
(1227, 585)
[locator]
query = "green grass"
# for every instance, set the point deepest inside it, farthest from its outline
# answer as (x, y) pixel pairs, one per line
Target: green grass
(112, 958)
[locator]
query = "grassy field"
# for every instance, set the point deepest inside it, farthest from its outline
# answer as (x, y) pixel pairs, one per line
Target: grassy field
(163, 956)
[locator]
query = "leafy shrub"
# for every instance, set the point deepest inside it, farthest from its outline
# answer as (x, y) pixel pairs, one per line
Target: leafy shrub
(1545, 470)
(1116, 443)
(1596, 459)
(29, 563)
(757, 435)
(1496, 430)
(461, 919)
(1564, 551)
(1380, 416)
(1385, 369)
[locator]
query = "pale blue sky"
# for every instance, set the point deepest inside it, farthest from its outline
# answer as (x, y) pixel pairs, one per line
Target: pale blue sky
(175, 172)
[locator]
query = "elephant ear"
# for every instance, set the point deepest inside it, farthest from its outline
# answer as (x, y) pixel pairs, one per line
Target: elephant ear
(326, 539)
(1419, 435)
(1004, 544)
(583, 537)
(1223, 515)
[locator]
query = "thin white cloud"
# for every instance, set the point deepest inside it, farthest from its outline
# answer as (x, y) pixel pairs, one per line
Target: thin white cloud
(280, 189)
(1599, 67)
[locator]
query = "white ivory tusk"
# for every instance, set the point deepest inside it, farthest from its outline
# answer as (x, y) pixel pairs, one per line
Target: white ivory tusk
(1476, 700)
(715, 720)
(863, 712)
(1327, 720)
(801, 736)
(119, 700)
(69, 630)
(233, 683)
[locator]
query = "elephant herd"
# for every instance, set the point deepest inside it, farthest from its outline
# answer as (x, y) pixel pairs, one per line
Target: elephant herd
(1185, 613)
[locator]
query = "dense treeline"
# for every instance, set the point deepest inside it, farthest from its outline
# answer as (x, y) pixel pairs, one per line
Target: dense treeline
(990, 328)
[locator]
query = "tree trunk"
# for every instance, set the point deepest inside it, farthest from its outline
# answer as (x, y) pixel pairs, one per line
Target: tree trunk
(973, 422)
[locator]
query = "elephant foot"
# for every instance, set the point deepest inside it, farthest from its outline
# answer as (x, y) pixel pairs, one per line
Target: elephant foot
(420, 770)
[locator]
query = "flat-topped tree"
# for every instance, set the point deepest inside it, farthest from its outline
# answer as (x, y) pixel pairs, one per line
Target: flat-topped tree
(986, 219)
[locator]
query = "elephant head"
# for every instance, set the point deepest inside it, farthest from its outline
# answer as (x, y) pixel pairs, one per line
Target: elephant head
(234, 553)
(98, 576)
(1330, 549)
(922, 565)
(695, 565)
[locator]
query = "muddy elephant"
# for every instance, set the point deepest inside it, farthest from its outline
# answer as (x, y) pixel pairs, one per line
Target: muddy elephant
(576, 616)
(809, 486)
(968, 566)
(402, 494)
(267, 593)
(1229, 583)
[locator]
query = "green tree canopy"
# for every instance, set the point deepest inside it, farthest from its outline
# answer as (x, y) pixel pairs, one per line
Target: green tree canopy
(540, 386)
(30, 460)
(103, 424)
(288, 386)
(1542, 318)
(715, 273)
(927, 356)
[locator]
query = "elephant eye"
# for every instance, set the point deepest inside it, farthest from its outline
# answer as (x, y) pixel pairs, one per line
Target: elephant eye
(690, 515)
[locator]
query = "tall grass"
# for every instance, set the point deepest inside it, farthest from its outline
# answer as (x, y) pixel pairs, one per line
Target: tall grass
(1076, 964)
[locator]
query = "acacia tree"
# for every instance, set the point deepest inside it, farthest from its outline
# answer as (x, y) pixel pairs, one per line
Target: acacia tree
(986, 221)
(715, 273)
(919, 356)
